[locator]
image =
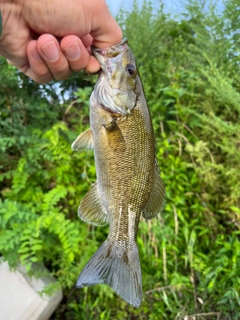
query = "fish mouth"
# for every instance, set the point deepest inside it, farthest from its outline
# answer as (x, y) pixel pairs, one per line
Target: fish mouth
(113, 50)
(102, 55)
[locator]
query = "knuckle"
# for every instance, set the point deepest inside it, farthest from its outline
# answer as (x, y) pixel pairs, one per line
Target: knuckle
(42, 79)
(43, 73)
(62, 75)
(78, 65)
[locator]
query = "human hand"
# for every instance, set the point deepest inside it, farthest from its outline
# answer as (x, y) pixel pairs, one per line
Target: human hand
(50, 39)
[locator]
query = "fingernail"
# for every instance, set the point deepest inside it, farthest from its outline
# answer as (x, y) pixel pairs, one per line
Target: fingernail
(72, 50)
(50, 50)
(36, 55)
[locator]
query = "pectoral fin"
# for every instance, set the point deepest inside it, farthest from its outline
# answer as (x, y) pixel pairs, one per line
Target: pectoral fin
(91, 209)
(157, 196)
(84, 141)
(110, 125)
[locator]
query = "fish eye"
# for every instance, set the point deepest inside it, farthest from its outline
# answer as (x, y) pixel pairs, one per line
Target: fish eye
(130, 69)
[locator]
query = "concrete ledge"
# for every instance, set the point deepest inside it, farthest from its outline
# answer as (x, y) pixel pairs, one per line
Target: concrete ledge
(19, 295)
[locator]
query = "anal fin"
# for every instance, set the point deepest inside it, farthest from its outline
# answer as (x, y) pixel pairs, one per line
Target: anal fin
(84, 141)
(157, 197)
(91, 209)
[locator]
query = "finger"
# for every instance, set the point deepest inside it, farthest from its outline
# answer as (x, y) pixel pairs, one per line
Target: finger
(23, 68)
(76, 52)
(93, 66)
(105, 30)
(87, 41)
(37, 68)
(50, 51)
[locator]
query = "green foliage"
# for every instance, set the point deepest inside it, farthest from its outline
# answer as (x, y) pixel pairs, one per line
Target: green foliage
(190, 256)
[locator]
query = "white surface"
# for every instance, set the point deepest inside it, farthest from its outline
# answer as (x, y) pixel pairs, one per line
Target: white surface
(19, 297)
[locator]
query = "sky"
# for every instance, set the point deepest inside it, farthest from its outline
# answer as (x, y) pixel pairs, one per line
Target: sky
(173, 7)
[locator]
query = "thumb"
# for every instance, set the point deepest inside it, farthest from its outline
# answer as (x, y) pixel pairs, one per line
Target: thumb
(105, 30)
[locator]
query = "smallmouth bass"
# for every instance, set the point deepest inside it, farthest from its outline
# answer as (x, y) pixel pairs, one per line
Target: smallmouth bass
(128, 182)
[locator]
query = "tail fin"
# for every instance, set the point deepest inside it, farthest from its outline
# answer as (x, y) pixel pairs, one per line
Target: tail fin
(119, 268)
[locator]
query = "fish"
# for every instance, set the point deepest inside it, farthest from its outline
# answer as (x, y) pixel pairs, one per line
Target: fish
(128, 177)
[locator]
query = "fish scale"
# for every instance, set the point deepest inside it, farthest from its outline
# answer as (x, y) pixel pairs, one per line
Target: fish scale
(128, 182)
